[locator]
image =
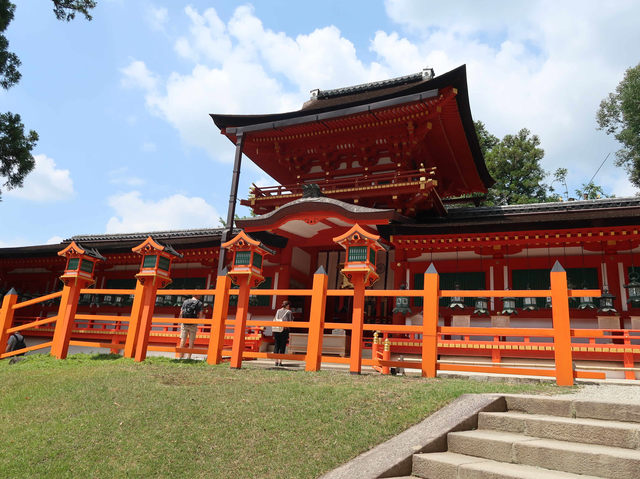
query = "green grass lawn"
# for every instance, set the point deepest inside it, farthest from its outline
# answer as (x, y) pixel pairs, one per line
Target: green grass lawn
(104, 416)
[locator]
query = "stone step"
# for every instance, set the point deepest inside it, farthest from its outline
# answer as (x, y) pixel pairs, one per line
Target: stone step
(586, 431)
(589, 459)
(448, 465)
(574, 408)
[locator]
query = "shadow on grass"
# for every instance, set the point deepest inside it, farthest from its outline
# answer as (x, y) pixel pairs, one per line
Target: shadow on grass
(105, 357)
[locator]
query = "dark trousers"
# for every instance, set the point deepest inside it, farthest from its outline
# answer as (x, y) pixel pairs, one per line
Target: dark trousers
(281, 342)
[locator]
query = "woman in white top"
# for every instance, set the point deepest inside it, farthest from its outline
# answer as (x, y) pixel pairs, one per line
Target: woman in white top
(280, 338)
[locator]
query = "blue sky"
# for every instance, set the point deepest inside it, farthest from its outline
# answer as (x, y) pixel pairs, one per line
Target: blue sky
(121, 103)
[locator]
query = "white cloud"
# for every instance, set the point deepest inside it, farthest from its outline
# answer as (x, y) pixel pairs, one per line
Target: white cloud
(134, 214)
(45, 183)
(136, 75)
(540, 65)
(157, 17)
(55, 240)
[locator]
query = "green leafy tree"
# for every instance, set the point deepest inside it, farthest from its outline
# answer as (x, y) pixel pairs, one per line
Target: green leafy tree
(486, 139)
(16, 161)
(514, 163)
(592, 192)
(560, 176)
(619, 115)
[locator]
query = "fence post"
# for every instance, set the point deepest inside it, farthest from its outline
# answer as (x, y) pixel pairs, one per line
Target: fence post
(430, 315)
(66, 317)
(357, 321)
(134, 320)
(146, 321)
(237, 349)
(218, 318)
(316, 320)
(386, 356)
(561, 326)
(6, 317)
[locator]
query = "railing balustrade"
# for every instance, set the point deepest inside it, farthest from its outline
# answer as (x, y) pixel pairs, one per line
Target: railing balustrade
(132, 333)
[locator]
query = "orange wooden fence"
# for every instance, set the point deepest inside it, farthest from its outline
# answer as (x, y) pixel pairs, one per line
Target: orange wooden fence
(140, 324)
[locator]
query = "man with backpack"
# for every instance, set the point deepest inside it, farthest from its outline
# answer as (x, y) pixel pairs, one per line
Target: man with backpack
(16, 341)
(191, 308)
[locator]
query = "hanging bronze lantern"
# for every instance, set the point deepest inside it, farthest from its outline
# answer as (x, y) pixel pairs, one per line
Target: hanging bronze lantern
(606, 302)
(530, 303)
(586, 302)
(633, 288)
(482, 306)
(402, 303)
(456, 301)
(606, 299)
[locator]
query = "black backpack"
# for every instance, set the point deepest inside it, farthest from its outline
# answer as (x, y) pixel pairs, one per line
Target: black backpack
(20, 344)
(190, 309)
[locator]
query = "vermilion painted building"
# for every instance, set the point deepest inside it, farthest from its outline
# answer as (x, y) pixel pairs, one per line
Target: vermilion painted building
(401, 159)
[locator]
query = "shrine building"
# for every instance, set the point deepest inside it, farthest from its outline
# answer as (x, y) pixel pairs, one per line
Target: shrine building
(400, 159)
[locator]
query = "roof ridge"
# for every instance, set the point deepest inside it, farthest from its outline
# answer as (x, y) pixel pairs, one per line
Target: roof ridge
(425, 74)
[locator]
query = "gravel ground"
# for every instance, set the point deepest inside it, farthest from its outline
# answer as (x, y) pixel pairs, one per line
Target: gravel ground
(609, 392)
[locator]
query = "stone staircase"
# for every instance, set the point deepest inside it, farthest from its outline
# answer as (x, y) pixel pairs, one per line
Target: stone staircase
(542, 437)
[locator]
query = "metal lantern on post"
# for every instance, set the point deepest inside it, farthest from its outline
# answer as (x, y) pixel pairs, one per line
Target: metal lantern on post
(80, 266)
(606, 298)
(156, 262)
(633, 287)
(509, 302)
(481, 303)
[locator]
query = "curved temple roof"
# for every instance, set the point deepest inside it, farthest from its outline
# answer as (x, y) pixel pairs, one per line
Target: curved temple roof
(372, 110)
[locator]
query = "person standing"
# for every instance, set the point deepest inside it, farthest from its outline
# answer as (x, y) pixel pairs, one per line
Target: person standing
(281, 333)
(191, 308)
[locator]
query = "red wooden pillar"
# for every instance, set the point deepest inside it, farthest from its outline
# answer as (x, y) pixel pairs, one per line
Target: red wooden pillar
(146, 320)
(357, 321)
(360, 270)
(134, 321)
(220, 312)
(246, 272)
(240, 326)
(78, 274)
(155, 269)
(6, 317)
(561, 326)
(430, 322)
(316, 320)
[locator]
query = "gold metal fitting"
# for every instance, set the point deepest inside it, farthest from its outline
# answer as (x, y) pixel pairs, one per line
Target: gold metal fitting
(387, 345)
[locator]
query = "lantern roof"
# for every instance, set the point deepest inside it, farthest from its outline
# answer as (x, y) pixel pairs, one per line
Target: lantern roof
(242, 236)
(357, 230)
(76, 248)
(150, 243)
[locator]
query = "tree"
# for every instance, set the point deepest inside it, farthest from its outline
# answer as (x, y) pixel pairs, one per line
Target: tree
(514, 163)
(591, 191)
(619, 115)
(16, 161)
(486, 139)
(561, 177)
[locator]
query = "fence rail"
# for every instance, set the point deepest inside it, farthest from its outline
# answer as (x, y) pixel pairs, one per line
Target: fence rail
(140, 331)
